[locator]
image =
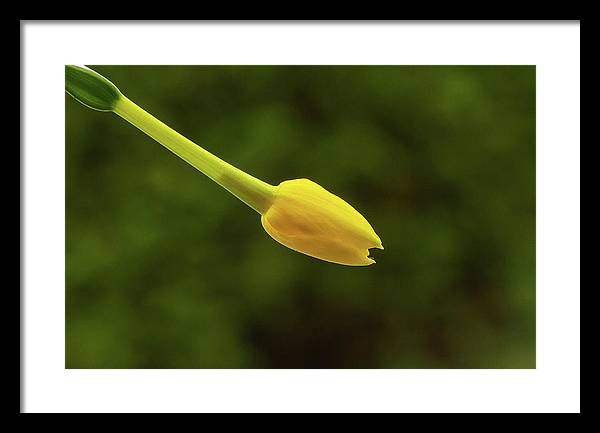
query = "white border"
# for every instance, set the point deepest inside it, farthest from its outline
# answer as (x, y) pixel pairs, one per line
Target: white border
(553, 386)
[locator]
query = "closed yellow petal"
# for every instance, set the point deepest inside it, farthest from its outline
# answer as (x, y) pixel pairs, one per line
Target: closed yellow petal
(309, 219)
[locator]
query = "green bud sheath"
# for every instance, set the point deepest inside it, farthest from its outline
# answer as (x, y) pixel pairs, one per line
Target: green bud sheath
(95, 91)
(90, 88)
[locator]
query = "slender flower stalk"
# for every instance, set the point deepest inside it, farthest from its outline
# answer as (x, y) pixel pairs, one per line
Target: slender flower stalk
(252, 191)
(298, 213)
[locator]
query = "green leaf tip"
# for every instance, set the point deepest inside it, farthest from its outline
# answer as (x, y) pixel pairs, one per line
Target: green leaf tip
(90, 88)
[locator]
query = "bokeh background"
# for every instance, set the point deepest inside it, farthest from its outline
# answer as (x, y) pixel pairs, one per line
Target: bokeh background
(164, 269)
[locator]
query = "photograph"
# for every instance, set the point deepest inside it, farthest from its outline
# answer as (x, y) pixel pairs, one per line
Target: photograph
(300, 216)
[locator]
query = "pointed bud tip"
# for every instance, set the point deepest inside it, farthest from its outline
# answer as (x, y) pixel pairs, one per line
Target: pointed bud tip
(378, 243)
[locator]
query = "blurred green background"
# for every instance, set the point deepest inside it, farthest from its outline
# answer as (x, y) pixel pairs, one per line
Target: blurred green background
(164, 269)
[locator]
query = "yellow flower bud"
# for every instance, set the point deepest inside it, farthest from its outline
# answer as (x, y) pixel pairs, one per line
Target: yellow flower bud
(309, 219)
(298, 213)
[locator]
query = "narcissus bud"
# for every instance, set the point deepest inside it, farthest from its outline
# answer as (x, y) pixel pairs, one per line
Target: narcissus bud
(298, 213)
(309, 219)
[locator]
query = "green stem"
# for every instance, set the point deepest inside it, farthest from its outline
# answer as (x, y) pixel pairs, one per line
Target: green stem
(252, 191)
(95, 91)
